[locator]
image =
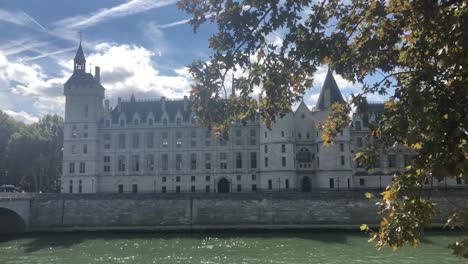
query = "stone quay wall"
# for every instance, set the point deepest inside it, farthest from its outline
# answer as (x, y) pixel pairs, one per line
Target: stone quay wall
(62, 212)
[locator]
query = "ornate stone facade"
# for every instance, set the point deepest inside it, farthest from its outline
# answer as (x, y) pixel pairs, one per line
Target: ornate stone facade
(156, 146)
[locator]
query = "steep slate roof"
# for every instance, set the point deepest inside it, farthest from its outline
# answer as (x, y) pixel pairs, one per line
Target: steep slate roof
(332, 88)
(82, 78)
(144, 108)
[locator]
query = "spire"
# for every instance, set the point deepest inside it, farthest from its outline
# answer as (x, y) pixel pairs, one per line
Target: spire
(330, 93)
(132, 98)
(80, 61)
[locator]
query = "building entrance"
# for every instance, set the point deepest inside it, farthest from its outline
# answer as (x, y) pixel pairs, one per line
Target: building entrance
(306, 186)
(223, 186)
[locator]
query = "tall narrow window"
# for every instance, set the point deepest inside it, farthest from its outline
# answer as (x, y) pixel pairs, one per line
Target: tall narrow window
(283, 148)
(85, 149)
(71, 186)
(266, 162)
(82, 167)
(283, 161)
(150, 162)
(135, 163)
(341, 147)
(107, 141)
(80, 186)
(392, 161)
(223, 160)
(71, 167)
(150, 139)
(164, 162)
(136, 140)
(121, 164)
(253, 160)
(342, 160)
(208, 161)
(193, 161)
(270, 184)
(86, 110)
(357, 125)
(121, 141)
(239, 160)
(178, 161)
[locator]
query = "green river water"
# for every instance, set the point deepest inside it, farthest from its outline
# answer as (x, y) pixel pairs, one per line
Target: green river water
(257, 247)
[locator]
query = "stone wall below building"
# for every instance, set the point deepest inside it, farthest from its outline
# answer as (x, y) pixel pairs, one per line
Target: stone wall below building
(203, 211)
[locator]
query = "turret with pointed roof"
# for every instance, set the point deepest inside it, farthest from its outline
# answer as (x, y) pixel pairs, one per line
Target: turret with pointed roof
(329, 94)
(80, 60)
(80, 77)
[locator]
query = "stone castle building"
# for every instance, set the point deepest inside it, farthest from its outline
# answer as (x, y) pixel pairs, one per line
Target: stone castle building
(156, 146)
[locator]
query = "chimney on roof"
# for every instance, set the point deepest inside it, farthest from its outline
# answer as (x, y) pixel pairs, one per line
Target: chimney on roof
(163, 103)
(119, 104)
(185, 103)
(97, 74)
(106, 105)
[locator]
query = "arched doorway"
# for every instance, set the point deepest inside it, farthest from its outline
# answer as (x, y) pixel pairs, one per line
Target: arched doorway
(223, 186)
(306, 186)
(11, 222)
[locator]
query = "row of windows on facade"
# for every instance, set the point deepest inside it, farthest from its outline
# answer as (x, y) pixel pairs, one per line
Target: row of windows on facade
(150, 121)
(150, 162)
(150, 140)
(391, 161)
(253, 187)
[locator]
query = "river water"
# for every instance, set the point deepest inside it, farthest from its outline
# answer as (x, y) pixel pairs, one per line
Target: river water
(257, 247)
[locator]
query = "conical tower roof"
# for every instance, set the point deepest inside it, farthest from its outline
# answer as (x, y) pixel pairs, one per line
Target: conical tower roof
(329, 94)
(79, 57)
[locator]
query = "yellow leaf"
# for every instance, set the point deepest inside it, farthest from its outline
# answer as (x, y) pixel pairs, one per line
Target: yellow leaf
(394, 247)
(369, 195)
(446, 116)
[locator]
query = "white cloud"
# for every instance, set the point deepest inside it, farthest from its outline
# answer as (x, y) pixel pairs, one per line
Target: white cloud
(130, 68)
(129, 8)
(22, 116)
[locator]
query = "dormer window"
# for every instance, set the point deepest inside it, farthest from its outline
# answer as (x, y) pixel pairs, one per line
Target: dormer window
(107, 123)
(150, 121)
(165, 121)
(122, 122)
(193, 120)
(178, 121)
(136, 122)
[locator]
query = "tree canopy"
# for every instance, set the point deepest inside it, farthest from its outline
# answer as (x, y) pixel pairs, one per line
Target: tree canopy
(416, 50)
(32, 154)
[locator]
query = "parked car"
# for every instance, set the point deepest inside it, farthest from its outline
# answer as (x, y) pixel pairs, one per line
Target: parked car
(8, 188)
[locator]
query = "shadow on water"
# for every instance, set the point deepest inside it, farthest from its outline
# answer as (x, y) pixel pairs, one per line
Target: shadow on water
(43, 241)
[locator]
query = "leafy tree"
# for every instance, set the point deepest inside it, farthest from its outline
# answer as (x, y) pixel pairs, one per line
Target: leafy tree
(34, 154)
(8, 126)
(416, 50)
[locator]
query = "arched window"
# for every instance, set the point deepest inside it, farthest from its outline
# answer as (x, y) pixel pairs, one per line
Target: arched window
(304, 156)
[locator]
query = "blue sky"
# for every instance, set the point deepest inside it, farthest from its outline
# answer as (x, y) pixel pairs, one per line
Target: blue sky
(142, 47)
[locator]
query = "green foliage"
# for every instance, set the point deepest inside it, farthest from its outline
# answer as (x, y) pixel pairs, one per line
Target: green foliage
(34, 155)
(415, 49)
